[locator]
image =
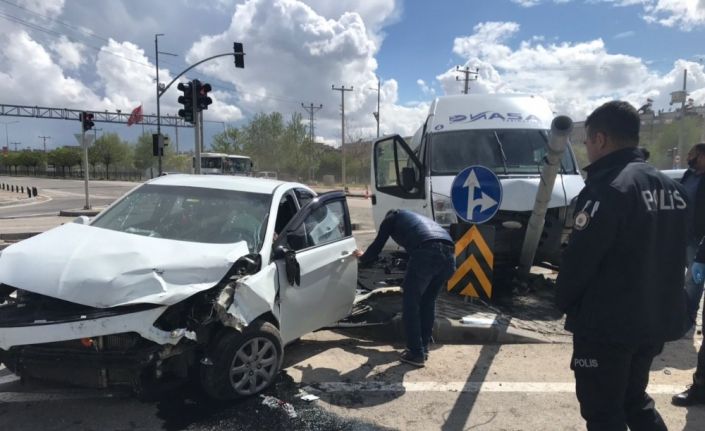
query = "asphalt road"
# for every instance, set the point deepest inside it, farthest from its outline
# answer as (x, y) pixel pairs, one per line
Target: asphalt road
(362, 386)
(63, 194)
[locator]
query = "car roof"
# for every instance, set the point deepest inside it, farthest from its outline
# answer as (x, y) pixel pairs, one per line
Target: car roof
(225, 182)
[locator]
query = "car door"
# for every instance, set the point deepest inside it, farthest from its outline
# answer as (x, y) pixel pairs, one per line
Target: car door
(316, 268)
(397, 178)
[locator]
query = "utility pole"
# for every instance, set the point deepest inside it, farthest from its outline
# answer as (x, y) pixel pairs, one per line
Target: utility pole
(311, 109)
(7, 136)
(376, 114)
(342, 125)
(159, 89)
(44, 141)
(15, 144)
(680, 96)
(467, 72)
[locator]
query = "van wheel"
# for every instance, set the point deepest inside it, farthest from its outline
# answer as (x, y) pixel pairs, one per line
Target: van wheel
(243, 364)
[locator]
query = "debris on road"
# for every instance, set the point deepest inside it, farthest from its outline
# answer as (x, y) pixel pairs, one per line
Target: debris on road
(274, 403)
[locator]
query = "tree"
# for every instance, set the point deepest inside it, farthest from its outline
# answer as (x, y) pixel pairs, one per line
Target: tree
(291, 147)
(227, 142)
(31, 159)
(261, 141)
(668, 138)
(143, 157)
(65, 157)
(109, 149)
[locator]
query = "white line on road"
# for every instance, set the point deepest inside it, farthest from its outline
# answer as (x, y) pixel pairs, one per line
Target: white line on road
(518, 387)
(8, 379)
(31, 397)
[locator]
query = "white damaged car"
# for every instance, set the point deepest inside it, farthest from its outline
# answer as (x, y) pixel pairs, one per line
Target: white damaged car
(205, 276)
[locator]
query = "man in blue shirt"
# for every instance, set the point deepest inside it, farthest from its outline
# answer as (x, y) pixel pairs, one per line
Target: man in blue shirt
(431, 263)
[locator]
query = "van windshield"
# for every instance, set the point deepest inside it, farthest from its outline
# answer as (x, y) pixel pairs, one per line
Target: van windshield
(511, 151)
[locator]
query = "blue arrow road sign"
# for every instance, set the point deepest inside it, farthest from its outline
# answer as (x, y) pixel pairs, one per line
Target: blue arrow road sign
(476, 194)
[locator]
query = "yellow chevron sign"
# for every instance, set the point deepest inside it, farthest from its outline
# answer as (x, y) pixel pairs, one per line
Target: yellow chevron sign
(474, 259)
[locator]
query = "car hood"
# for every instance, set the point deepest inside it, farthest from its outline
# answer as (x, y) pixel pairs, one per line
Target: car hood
(104, 268)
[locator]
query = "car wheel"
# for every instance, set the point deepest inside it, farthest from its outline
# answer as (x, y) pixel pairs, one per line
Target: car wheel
(242, 364)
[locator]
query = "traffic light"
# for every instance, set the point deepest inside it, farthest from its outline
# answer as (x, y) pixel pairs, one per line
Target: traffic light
(86, 119)
(202, 96)
(239, 55)
(158, 150)
(187, 101)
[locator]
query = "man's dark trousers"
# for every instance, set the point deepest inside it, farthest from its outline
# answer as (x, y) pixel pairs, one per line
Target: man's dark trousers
(428, 269)
(610, 382)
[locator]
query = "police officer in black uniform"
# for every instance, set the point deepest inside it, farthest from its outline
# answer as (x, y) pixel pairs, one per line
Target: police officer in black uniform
(620, 282)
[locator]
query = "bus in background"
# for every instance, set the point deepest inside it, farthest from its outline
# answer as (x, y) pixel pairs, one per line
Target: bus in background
(225, 164)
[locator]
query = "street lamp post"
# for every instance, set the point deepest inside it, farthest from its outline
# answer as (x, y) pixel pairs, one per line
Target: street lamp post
(7, 139)
(159, 122)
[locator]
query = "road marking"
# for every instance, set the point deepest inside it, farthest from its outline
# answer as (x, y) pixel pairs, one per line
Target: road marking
(519, 387)
(48, 199)
(8, 378)
(32, 397)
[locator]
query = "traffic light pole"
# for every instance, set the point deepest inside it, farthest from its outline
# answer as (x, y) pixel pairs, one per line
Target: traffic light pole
(197, 131)
(85, 164)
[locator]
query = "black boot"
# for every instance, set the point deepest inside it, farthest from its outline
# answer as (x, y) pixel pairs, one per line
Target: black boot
(695, 394)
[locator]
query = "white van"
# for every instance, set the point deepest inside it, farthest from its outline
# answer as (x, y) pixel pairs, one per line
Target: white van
(507, 133)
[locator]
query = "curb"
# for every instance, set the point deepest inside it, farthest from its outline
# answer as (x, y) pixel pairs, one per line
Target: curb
(449, 331)
(17, 236)
(80, 212)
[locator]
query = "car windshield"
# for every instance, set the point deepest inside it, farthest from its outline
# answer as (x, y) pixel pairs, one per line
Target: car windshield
(511, 151)
(190, 214)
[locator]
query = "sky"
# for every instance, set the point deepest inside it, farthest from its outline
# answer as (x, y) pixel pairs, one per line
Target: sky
(578, 54)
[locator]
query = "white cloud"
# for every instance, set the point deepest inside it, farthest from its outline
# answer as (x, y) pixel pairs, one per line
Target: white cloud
(681, 14)
(527, 3)
(625, 34)
(70, 54)
(425, 88)
(574, 77)
(294, 55)
(26, 65)
(51, 8)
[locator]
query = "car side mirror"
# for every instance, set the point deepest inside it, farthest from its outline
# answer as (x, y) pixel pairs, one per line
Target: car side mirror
(82, 220)
(280, 252)
(408, 178)
(291, 265)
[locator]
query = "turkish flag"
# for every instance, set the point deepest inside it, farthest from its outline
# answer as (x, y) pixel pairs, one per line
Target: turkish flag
(136, 116)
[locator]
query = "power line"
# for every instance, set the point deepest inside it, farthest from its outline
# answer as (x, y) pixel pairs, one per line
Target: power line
(311, 109)
(467, 72)
(77, 29)
(37, 27)
(44, 141)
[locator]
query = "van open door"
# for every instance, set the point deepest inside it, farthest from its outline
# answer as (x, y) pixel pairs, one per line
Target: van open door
(397, 178)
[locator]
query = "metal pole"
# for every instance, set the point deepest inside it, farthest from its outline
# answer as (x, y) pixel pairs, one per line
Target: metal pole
(176, 136)
(85, 164)
(342, 127)
(197, 132)
(159, 123)
(681, 131)
(200, 119)
(378, 98)
(561, 127)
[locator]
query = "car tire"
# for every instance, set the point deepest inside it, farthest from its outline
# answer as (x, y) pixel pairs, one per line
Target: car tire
(242, 364)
